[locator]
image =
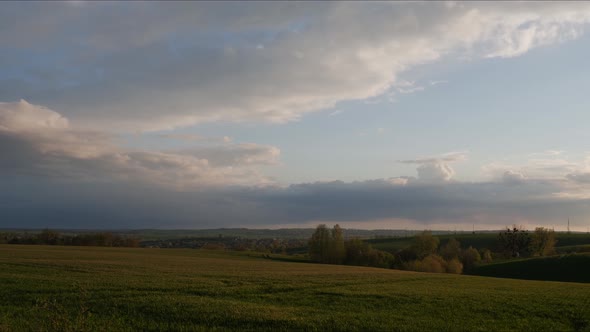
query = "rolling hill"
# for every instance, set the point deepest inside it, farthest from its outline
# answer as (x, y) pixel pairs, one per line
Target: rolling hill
(51, 288)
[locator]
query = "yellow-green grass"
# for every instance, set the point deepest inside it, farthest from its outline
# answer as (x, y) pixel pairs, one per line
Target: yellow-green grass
(45, 288)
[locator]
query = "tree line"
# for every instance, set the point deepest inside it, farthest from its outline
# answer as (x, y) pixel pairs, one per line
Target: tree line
(50, 237)
(329, 247)
(425, 254)
(518, 242)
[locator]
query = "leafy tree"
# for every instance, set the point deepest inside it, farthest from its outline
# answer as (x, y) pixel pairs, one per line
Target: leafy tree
(425, 244)
(357, 252)
(48, 237)
(451, 250)
(404, 256)
(470, 257)
(337, 252)
(379, 258)
(327, 247)
(514, 242)
(543, 242)
(486, 256)
(361, 253)
(319, 244)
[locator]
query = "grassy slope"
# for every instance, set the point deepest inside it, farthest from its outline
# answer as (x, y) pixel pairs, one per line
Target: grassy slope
(573, 268)
(573, 249)
(478, 240)
(155, 289)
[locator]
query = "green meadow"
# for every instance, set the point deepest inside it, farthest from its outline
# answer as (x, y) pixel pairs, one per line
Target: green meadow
(52, 288)
(571, 267)
(566, 242)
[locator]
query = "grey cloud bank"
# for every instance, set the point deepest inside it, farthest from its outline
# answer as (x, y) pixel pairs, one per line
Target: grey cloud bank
(74, 77)
(43, 203)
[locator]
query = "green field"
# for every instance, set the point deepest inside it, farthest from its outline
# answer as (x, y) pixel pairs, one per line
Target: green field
(572, 268)
(489, 240)
(117, 289)
(573, 249)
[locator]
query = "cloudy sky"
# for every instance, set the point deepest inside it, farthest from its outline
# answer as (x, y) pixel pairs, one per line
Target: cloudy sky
(259, 114)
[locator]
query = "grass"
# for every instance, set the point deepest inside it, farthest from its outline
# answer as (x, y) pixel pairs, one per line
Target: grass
(573, 249)
(572, 268)
(126, 289)
(489, 240)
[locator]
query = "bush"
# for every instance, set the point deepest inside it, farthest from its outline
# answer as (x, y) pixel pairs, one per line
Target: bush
(470, 257)
(454, 266)
(431, 263)
(486, 256)
(378, 258)
(361, 253)
(542, 242)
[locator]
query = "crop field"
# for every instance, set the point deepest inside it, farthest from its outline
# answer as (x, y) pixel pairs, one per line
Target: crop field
(572, 267)
(51, 288)
(572, 249)
(488, 240)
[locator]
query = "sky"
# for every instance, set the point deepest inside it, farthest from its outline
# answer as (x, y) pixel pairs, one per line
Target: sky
(389, 115)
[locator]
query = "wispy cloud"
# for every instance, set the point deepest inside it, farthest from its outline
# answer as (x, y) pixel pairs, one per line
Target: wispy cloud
(164, 67)
(196, 138)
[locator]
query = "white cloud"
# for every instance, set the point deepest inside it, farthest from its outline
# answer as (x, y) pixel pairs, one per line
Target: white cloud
(37, 140)
(195, 138)
(436, 169)
(167, 67)
(550, 164)
(22, 116)
(435, 172)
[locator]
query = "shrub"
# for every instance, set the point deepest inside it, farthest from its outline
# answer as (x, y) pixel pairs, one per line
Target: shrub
(454, 266)
(362, 254)
(470, 257)
(486, 256)
(431, 263)
(378, 258)
(542, 242)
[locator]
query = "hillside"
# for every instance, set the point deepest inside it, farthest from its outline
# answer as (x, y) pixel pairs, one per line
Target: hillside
(571, 268)
(487, 240)
(113, 289)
